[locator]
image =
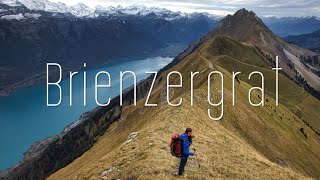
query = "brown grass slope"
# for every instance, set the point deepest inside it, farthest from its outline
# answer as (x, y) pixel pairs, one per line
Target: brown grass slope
(248, 143)
(245, 26)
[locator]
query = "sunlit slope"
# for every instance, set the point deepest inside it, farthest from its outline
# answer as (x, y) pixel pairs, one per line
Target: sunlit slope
(235, 56)
(249, 142)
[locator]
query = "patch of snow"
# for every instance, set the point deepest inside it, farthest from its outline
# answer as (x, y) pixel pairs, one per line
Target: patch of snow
(10, 2)
(110, 9)
(144, 11)
(13, 16)
(132, 10)
(171, 18)
(34, 16)
(45, 5)
(81, 10)
(2, 10)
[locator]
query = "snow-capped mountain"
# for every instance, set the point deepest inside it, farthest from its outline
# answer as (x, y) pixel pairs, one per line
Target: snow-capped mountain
(43, 31)
(81, 10)
(78, 10)
(45, 5)
(282, 26)
(145, 11)
(10, 2)
(136, 10)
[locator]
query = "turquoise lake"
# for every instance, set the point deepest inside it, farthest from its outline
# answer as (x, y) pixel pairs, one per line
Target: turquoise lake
(25, 118)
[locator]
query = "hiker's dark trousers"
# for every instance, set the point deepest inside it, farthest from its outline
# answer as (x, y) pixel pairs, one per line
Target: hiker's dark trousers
(183, 163)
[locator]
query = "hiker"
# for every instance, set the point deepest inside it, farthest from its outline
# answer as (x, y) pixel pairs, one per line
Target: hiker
(186, 142)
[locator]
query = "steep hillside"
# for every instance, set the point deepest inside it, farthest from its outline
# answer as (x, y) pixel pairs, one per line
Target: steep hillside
(310, 41)
(246, 27)
(249, 142)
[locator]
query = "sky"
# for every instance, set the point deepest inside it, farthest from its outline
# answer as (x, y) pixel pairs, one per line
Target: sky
(278, 8)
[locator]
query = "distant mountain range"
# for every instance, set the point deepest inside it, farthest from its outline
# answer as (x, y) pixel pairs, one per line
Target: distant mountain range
(81, 10)
(123, 142)
(30, 37)
(282, 26)
(286, 26)
(310, 41)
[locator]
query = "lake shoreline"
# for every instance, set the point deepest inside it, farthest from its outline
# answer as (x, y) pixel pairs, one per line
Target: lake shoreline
(78, 113)
(40, 79)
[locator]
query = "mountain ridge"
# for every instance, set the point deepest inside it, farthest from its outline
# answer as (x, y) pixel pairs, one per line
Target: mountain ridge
(270, 131)
(310, 40)
(81, 10)
(248, 27)
(285, 26)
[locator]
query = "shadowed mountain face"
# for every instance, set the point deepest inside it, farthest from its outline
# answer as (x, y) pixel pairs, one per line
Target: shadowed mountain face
(286, 26)
(27, 44)
(281, 142)
(310, 41)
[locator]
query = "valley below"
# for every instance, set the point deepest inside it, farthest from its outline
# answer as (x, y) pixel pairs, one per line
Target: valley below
(20, 130)
(37, 74)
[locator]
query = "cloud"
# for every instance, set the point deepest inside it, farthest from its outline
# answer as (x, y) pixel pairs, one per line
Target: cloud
(221, 7)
